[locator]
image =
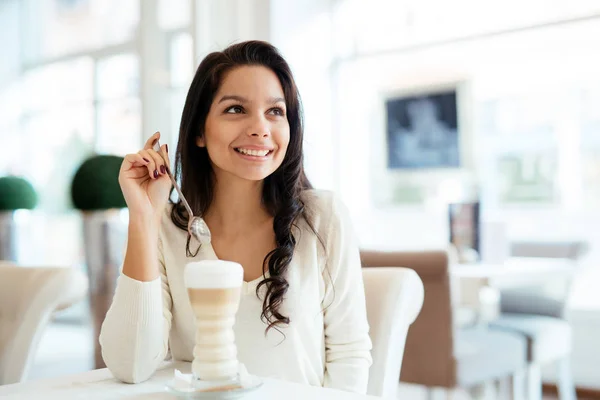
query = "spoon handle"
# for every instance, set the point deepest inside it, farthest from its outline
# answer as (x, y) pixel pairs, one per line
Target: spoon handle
(176, 186)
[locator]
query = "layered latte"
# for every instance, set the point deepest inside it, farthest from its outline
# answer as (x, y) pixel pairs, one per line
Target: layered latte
(214, 289)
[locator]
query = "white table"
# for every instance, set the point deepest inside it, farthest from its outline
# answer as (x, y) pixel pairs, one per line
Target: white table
(476, 287)
(515, 272)
(99, 384)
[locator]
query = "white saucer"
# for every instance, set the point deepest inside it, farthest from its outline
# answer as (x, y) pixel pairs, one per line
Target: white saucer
(188, 391)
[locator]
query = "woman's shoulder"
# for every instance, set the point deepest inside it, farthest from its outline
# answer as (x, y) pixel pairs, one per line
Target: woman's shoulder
(317, 202)
(323, 207)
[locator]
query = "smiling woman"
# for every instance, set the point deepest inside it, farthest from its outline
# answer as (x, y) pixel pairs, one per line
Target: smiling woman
(302, 314)
(247, 132)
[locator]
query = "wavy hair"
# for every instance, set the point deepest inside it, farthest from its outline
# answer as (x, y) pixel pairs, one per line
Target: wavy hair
(281, 190)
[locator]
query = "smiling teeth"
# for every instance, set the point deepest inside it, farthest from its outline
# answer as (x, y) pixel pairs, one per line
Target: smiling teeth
(255, 153)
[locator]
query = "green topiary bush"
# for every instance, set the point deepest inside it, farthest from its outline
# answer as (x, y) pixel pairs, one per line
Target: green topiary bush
(95, 185)
(16, 193)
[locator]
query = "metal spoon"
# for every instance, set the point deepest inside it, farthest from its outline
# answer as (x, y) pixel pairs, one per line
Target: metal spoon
(196, 225)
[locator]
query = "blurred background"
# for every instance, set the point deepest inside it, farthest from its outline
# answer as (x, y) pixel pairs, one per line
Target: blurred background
(509, 92)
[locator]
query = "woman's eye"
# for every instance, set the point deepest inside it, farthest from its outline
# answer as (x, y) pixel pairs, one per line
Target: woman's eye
(234, 110)
(277, 111)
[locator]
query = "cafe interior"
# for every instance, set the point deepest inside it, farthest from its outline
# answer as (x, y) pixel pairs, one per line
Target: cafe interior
(463, 137)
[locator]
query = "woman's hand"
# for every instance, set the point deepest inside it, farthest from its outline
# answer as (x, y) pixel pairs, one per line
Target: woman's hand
(144, 181)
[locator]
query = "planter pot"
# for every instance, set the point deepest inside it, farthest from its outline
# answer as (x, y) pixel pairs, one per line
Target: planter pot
(8, 236)
(105, 234)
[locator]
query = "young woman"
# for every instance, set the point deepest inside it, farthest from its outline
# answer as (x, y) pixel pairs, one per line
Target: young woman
(302, 315)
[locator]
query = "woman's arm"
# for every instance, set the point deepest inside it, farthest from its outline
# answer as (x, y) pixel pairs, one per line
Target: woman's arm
(347, 341)
(135, 333)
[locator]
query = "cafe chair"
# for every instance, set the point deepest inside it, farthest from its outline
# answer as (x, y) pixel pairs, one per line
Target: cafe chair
(28, 297)
(394, 298)
(538, 313)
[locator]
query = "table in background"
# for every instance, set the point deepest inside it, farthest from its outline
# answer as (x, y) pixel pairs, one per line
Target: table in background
(476, 287)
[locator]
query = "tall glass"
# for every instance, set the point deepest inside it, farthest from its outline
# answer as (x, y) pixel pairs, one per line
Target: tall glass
(214, 289)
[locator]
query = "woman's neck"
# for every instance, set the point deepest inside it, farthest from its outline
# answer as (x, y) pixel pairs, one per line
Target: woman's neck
(236, 207)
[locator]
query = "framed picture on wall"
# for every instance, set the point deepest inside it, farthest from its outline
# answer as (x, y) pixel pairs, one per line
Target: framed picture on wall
(423, 139)
(423, 130)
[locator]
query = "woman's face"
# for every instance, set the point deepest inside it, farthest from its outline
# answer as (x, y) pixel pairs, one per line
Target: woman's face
(247, 131)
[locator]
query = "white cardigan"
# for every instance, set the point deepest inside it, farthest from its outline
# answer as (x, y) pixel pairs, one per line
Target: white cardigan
(326, 343)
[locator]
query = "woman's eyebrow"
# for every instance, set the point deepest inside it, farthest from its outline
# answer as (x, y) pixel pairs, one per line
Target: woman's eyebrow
(274, 100)
(243, 100)
(233, 97)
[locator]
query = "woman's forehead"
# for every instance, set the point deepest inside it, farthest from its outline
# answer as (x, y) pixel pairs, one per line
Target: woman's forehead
(252, 83)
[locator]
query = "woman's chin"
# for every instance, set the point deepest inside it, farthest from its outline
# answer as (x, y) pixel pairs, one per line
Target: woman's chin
(253, 172)
(245, 172)
(253, 176)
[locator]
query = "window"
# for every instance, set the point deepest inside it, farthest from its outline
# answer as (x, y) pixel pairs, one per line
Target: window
(181, 68)
(119, 120)
(173, 14)
(71, 88)
(56, 130)
(55, 28)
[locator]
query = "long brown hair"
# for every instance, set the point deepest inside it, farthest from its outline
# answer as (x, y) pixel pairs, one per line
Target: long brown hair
(281, 190)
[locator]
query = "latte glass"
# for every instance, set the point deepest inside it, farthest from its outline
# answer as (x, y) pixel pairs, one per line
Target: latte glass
(214, 289)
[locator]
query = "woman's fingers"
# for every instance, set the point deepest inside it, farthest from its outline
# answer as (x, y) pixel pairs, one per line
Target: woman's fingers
(135, 160)
(156, 158)
(151, 140)
(156, 166)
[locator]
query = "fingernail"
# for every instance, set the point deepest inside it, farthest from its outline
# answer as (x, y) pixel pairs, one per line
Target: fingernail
(156, 173)
(167, 148)
(163, 170)
(154, 142)
(145, 159)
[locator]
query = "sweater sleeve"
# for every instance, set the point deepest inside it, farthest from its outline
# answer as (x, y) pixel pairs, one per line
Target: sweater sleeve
(347, 341)
(135, 333)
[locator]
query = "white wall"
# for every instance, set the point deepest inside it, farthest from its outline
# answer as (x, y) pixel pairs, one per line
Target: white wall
(302, 30)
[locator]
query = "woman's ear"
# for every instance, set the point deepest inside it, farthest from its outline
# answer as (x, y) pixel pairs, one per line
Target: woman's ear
(200, 141)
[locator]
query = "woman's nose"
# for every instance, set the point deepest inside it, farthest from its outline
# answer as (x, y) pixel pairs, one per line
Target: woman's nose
(259, 127)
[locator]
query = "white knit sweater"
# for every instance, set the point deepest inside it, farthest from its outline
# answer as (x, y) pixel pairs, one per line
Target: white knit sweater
(326, 343)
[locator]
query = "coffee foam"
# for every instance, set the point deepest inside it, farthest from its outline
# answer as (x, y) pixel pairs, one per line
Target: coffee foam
(213, 274)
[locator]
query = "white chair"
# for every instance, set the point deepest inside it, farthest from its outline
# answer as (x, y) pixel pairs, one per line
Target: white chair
(394, 299)
(28, 297)
(539, 315)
